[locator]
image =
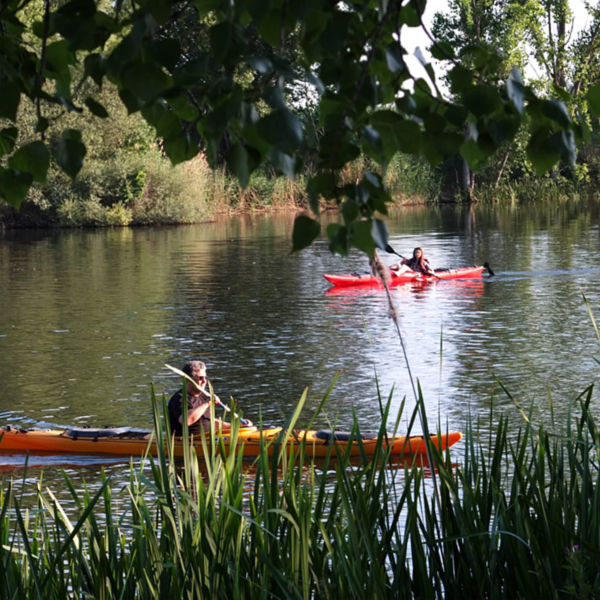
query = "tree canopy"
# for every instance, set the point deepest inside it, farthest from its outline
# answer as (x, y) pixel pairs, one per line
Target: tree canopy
(255, 81)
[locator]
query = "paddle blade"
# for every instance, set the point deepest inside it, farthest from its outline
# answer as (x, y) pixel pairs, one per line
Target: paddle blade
(390, 250)
(489, 269)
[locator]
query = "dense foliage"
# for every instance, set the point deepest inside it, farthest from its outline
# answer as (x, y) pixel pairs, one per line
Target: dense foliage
(306, 87)
(559, 54)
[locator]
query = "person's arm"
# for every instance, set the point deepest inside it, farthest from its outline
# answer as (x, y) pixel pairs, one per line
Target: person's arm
(195, 414)
(429, 270)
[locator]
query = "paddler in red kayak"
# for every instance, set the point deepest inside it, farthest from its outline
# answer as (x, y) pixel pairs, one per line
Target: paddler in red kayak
(198, 403)
(418, 264)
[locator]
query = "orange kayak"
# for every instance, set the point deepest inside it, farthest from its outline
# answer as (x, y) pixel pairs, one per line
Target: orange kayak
(134, 442)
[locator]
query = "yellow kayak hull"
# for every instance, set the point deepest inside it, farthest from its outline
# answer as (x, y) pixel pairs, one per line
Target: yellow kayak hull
(125, 443)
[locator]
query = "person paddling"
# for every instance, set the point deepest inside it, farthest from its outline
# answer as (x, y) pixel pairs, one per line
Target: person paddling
(418, 264)
(198, 403)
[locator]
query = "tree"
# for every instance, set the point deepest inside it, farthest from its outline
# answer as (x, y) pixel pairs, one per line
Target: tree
(497, 26)
(351, 53)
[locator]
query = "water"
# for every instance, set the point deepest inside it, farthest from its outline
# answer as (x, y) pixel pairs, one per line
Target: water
(89, 318)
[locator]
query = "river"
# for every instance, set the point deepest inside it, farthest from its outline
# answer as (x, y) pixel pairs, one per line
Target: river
(89, 318)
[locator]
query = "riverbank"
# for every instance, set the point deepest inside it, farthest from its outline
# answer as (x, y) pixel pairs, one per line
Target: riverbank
(141, 188)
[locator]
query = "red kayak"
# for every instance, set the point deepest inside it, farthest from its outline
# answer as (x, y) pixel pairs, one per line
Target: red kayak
(407, 277)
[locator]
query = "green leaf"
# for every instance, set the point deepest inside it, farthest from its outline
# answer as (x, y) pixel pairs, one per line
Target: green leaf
(380, 233)
(593, 98)
(338, 239)
(95, 67)
(14, 186)
(180, 148)
(515, 89)
(409, 137)
(237, 163)
(456, 115)
(409, 16)
(72, 134)
(182, 107)
(96, 108)
(473, 154)
(78, 8)
(270, 27)
(394, 58)
(460, 79)
(192, 72)
(281, 129)
(482, 100)
(583, 131)
(557, 111)
(69, 155)
(163, 120)
(147, 81)
(227, 41)
(58, 60)
(207, 6)
(283, 162)
(336, 152)
(306, 231)
(159, 9)
(373, 138)
(362, 237)
(349, 209)
(9, 100)
(262, 64)
(131, 103)
(323, 184)
(165, 52)
(407, 104)
(564, 144)
(8, 139)
(217, 120)
(34, 159)
(434, 123)
(541, 153)
(442, 51)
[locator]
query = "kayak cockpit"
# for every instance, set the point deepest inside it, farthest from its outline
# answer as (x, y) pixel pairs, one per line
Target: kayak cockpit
(121, 433)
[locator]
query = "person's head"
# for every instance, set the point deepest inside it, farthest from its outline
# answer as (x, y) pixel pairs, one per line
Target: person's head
(418, 253)
(195, 369)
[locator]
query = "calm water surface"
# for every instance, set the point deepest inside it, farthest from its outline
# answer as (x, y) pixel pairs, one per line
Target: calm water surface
(88, 320)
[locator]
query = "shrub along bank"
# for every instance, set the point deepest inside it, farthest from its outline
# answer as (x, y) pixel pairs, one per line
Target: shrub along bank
(139, 187)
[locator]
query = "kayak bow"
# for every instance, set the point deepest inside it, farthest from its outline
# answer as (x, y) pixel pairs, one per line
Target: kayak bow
(134, 442)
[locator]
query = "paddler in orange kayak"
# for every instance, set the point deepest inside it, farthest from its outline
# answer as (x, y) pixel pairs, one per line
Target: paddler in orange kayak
(198, 403)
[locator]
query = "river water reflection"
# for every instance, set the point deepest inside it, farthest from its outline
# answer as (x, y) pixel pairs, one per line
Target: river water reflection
(88, 318)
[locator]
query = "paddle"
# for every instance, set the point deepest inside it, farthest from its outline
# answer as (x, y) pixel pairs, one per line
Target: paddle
(489, 269)
(218, 400)
(390, 250)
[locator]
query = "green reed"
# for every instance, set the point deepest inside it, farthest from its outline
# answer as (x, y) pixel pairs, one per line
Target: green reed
(509, 517)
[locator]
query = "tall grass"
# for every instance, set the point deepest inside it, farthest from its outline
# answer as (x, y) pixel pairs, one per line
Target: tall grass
(532, 189)
(508, 518)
